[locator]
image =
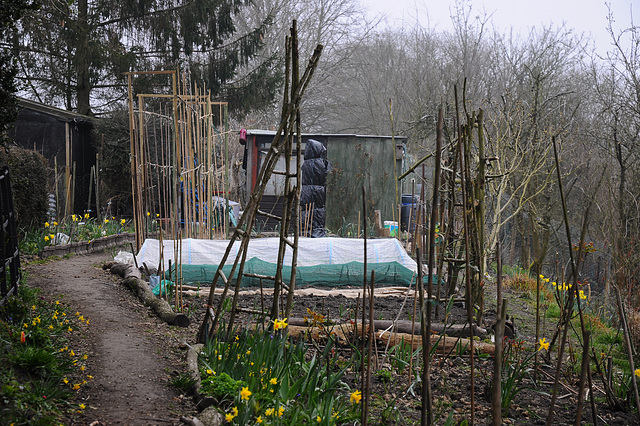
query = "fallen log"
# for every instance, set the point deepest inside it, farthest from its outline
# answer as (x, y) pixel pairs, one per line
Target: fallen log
(406, 326)
(342, 332)
(445, 344)
(162, 309)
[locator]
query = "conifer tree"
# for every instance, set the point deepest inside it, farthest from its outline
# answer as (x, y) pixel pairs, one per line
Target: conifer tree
(11, 11)
(75, 51)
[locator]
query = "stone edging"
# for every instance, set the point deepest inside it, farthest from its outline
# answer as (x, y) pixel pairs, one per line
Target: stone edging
(84, 247)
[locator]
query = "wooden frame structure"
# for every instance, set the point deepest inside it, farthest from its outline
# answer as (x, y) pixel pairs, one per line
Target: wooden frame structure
(178, 145)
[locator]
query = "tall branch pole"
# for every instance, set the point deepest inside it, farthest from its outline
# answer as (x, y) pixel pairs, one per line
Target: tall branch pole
(573, 295)
(501, 305)
(426, 394)
(365, 405)
(468, 292)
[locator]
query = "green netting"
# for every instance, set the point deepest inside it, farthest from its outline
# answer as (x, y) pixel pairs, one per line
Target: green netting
(387, 273)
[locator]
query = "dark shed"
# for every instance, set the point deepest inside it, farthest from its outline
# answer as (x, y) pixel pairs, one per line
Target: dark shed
(64, 138)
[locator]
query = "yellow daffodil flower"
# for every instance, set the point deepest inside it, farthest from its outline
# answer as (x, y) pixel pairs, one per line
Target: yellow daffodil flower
(356, 396)
(279, 324)
(245, 393)
(544, 344)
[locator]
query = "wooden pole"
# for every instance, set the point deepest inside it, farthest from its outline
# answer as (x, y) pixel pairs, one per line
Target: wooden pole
(224, 114)
(496, 399)
(627, 340)
(67, 171)
(97, 180)
(365, 384)
(427, 396)
(467, 245)
(73, 188)
(55, 169)
(370, 344)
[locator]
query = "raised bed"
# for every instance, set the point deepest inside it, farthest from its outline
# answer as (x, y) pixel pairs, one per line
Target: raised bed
(84, 247)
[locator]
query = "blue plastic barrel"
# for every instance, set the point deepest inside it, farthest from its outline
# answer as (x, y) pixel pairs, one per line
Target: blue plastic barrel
(408, 212)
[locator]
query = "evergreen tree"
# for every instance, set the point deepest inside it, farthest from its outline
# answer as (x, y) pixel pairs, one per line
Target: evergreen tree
(76, 51)
(11, 11)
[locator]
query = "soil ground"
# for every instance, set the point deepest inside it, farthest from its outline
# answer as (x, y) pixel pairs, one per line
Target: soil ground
(133, 356)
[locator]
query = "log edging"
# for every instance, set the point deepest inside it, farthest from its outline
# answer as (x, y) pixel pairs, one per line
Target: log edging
(92, 246)
(133, 280)
(209, 415)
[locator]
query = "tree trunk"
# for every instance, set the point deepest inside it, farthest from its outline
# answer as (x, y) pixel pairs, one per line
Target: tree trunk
(83, 85)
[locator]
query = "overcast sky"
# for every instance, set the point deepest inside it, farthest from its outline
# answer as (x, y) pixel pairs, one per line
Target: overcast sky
(585, 16)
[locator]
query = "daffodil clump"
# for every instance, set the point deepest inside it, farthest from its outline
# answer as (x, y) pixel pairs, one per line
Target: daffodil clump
(563, 293)
(269, 379)
(74, 228)
(42, 370)
(517, 367)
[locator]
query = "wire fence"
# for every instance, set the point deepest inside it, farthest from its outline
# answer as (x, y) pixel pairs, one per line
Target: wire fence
(10, 266)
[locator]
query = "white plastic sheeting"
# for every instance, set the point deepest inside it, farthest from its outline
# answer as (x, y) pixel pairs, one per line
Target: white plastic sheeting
(311, 252)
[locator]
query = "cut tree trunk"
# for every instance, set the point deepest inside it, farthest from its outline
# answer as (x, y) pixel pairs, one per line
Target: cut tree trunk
(163, 310)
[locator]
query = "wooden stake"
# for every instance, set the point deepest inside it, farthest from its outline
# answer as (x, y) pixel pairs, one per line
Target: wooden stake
(496, 400)
(365, 383)
(467, 245)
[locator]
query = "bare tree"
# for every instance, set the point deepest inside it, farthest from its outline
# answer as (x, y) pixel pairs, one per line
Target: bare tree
(617, 85)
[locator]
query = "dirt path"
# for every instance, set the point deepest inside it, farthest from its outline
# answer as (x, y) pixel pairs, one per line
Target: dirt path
(132, 355)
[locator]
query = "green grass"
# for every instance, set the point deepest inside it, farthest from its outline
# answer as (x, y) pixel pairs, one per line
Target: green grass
(606, 339)
(40, 372)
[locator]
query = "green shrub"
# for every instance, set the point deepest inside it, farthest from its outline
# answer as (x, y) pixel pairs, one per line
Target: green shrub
(29, 173)
(222, 386)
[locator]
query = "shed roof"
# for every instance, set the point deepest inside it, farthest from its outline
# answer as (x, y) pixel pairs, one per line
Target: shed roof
(58, 113)
(258, 132)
